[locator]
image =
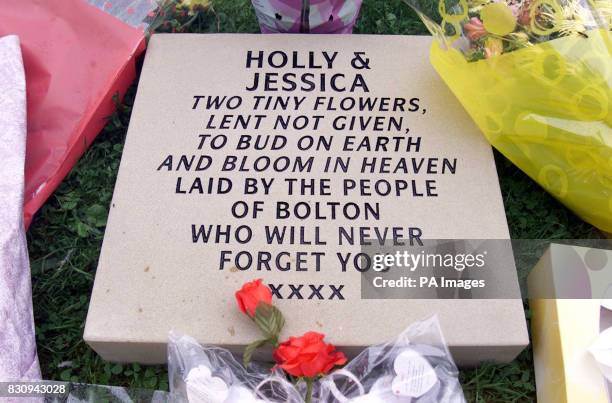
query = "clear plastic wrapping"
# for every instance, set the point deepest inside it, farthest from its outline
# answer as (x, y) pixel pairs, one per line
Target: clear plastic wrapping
(416, 367)
(212, 375)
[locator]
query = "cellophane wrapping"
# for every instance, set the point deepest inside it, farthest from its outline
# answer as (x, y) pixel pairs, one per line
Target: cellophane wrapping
(536, 76)
(79, 58)
(211, 374)
(416, 367)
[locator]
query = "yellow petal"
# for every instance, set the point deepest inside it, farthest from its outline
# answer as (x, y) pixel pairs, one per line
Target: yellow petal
(498, 18)
(494, 46)
(196, 3)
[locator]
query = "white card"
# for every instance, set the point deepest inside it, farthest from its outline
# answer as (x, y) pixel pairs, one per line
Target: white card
(202, 387)
(415, 375)
(201, 371)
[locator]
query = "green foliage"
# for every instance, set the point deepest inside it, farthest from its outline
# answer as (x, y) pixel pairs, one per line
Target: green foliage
(534, 214)
(269, 319)
(64, 243)
(65, 238)
(388, 17)
(514, 382)
(250, 349)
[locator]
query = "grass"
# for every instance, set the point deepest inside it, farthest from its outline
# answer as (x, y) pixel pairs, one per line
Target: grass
(65, 237)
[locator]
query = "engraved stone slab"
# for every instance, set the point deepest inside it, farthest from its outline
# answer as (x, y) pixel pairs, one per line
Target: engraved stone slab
(276, 157)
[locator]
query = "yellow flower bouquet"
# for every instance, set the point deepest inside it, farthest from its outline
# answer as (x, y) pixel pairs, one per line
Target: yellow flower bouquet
(536, 76)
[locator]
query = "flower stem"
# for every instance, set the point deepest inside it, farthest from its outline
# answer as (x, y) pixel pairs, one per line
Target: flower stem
(308, 390)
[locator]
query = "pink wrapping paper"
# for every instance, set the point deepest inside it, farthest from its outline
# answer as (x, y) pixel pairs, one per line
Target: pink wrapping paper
(18, 360)
(76, 58)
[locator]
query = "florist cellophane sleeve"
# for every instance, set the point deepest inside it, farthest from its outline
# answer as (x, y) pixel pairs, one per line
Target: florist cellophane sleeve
(77, 57)
(543, 96)
(415, 367)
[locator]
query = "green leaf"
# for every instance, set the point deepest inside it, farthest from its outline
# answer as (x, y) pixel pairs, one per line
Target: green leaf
(117, 369)
(65, 375)
(250, 349)
(150, 382)
(69, 201)
(96, 215)
(82, 229)
(269, 319)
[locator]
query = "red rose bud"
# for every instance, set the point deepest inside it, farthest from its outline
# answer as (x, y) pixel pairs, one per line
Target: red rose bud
(252, 294)
(308, 355)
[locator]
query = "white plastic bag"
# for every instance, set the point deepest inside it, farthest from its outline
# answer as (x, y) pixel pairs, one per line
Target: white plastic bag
(212, 375)
(416, 367)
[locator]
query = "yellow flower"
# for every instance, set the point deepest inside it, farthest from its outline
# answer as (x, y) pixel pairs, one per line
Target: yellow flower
(477, 3)
(196, 3)
(493, 47)
(518, 39)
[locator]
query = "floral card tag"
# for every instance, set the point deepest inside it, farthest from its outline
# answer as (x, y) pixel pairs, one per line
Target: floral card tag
(415, 375)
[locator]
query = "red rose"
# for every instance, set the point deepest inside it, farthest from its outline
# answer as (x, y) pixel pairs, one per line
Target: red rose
(252, 294)
(308, 355)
